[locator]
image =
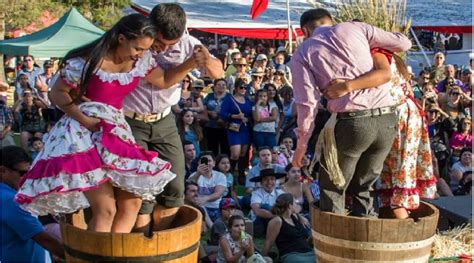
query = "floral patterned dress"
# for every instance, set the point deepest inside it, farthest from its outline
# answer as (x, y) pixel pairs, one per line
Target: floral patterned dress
(407, 175)
(75, 159)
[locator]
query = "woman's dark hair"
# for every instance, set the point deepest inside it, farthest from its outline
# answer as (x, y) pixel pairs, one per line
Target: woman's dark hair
(169, 19)
(261, 91)
(282, 203)
(194, 126)
(286, 90)
(219, 158)
(277, 95)
(232, 219)
(219, 80)
(133, 26)
(461, 122)
(13, 155)
(238, 83)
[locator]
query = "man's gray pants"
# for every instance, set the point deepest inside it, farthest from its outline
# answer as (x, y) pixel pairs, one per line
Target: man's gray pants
(362, 146)
(163, 137)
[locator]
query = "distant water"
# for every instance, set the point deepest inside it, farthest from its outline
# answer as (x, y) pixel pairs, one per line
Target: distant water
(440, 12)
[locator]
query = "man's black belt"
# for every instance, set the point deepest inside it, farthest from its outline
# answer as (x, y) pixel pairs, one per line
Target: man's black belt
(366, 113)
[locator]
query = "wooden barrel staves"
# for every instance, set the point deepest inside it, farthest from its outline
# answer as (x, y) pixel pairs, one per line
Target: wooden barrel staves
(178, 244)
(339, 238)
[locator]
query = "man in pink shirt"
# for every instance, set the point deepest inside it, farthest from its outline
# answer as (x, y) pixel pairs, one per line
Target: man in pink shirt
(366, 120)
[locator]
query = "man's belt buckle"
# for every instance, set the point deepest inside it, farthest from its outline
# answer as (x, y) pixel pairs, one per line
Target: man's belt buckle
(151, 118)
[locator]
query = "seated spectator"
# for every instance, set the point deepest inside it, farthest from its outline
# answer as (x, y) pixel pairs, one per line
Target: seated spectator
(449, 80)
(23, 238)
(236, 245)
(37, 146)
(189, 158)
(459, 168)
(299, 188)
(6, 124)
(290, 231)
(465, 185)
(277, 158)
(462, 137)
(263, 199)
(31, 124)
(190, 198)
(223, 166)
(189, 129)
(228, 208)
(286, 148)
(191, 190)
(264, 155)
(211, 183)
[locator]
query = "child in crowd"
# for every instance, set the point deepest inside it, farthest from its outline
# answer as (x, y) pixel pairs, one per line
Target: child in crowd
(189, 129)
(37, 145)
(237, 245)
(223, 166)
(265, 115)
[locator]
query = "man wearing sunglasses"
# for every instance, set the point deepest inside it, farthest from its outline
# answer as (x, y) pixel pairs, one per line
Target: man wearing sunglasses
(23, 237)
(148, 110)
(29, 69)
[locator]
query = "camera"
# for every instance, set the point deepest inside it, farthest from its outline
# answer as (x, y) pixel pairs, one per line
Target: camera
(204, 160)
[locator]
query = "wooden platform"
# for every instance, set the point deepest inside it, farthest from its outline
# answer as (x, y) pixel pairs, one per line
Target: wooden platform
(454, 211)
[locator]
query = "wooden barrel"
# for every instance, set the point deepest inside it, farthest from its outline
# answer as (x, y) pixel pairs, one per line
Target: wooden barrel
(339, 238)
(178, 244)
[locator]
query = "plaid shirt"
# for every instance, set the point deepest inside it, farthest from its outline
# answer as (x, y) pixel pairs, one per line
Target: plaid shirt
(6, 116)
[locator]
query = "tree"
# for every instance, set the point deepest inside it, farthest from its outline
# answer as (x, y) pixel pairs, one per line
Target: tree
(103, 13)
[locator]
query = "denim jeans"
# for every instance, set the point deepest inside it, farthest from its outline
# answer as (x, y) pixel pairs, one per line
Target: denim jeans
(264, 139)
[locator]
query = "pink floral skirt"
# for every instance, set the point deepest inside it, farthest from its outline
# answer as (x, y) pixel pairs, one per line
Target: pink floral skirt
(75, 160)
(407, 174)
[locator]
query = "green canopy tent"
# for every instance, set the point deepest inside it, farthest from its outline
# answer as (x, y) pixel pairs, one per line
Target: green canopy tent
(69, 32)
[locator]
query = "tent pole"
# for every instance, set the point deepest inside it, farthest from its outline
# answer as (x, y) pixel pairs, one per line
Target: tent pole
(290, 35)
(420, 46)
(216, 41)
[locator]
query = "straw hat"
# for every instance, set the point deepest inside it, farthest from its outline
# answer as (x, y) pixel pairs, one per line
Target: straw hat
(258, 71)
(241, 61)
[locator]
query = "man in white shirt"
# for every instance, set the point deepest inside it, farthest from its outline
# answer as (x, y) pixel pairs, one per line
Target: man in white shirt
(263, 199)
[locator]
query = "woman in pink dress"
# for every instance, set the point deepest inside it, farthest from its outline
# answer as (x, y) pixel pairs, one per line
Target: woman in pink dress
(90, 158)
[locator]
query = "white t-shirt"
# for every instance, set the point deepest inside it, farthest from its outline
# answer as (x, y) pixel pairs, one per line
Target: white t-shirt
(207, 186)
(263, 197)
(265, 112)
(228, 53)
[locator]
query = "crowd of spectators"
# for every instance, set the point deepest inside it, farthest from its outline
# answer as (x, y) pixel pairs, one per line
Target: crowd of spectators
(238, 130)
